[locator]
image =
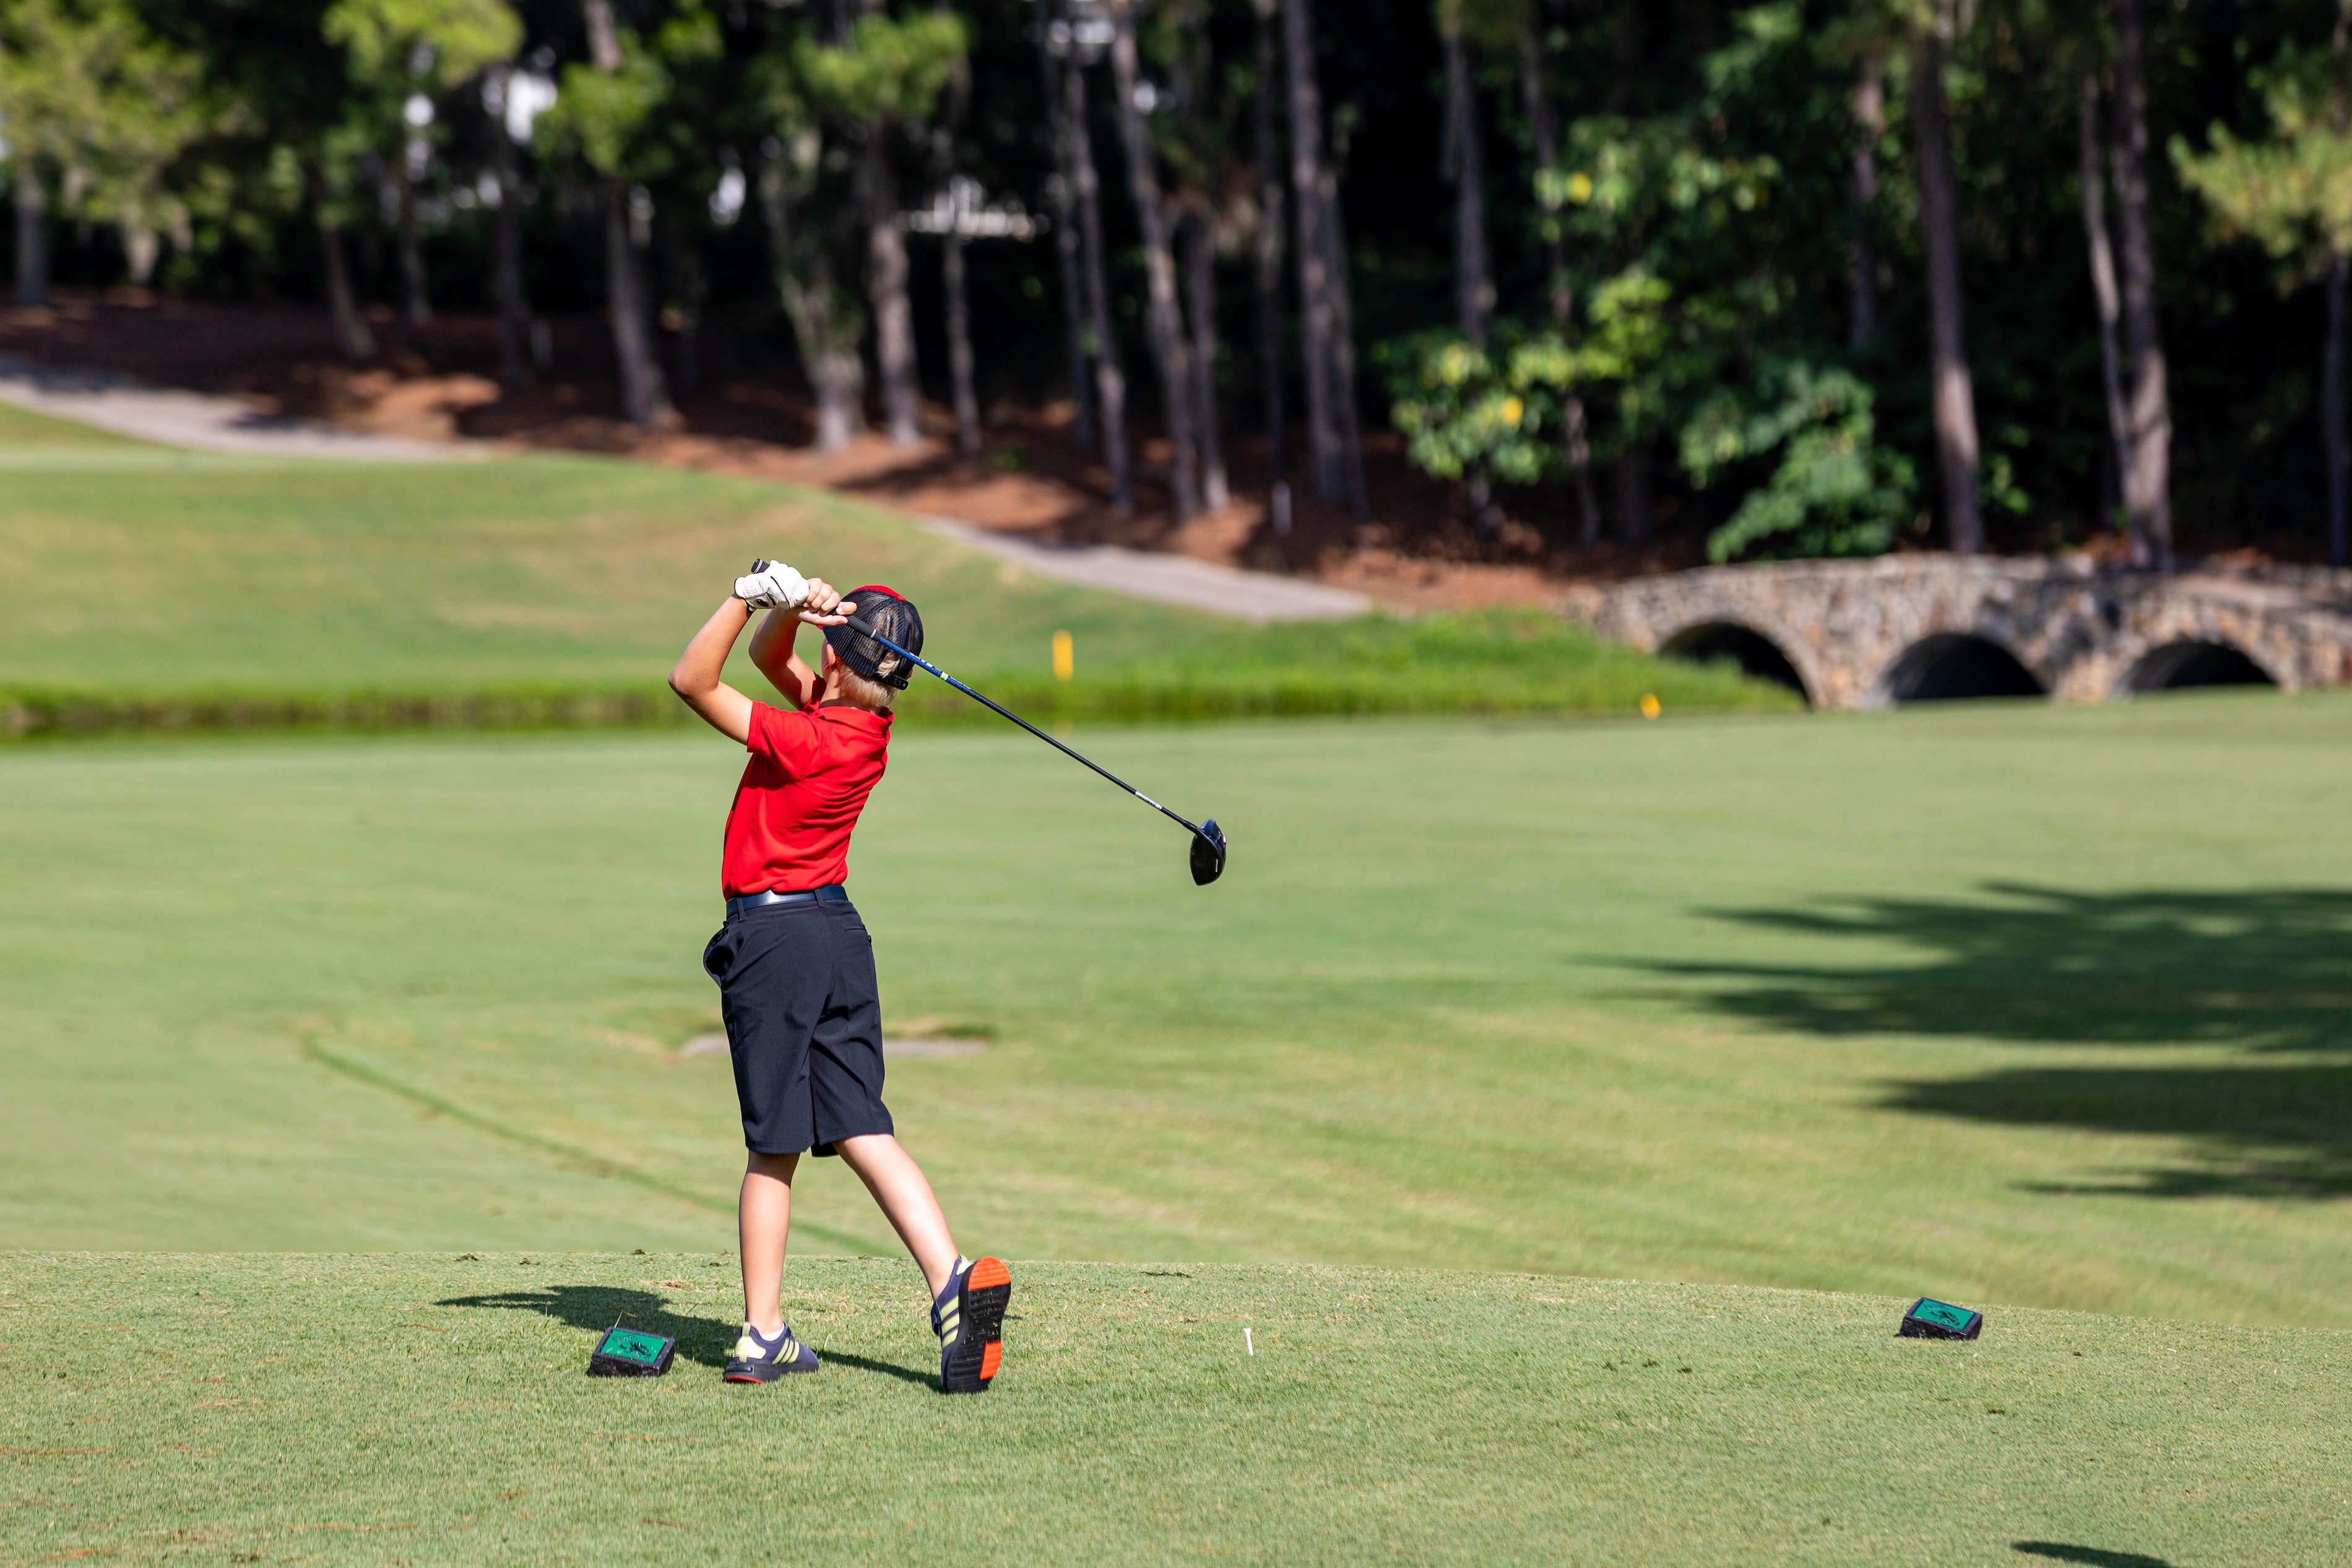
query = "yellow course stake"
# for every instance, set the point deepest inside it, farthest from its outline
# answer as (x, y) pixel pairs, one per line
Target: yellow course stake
(1065, 656)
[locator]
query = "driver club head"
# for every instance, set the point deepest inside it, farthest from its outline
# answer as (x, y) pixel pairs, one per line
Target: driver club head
(1207, 854)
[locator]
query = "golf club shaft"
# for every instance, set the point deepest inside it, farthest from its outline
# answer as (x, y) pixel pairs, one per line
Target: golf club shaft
(863, 630)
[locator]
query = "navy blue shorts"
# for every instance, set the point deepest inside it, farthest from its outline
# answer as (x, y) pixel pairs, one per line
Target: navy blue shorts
(803, 1025)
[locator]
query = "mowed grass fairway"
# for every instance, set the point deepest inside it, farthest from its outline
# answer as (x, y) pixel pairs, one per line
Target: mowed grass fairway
(2014, 1004)
(346, 1095)
(406, 1409)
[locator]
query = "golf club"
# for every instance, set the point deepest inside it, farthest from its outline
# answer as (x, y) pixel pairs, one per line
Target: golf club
(1208, 838)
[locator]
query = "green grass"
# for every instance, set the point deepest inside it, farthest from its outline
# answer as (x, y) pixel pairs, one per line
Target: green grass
(2016, 1005)
(307, 1408)
(25, 434)
(145, 589)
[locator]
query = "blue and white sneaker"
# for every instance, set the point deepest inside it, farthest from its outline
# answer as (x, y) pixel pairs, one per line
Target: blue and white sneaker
(759, 1359)
(969, 1318)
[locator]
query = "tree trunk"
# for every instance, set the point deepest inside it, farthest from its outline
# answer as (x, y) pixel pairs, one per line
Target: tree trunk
(1326, 451)
(1335, 434)
(32, 234)
(1110, 381)
(1465, 163)
(645, 401)
(828, 352)
(1201, 304)
(886, 294)
(1343, 345)
(2331, 416)
(352, 334)
(2093, 180)
(2331, 399)
(691, 287)
(1576, 444)
(1861, 256)
(1059, 194)
(514, 303)
(1633, 521)
(1954, 396)
(1266, 252)
(967, 400)
(142, 247)
(2147, 482)
(415, 300)
(1163, 318)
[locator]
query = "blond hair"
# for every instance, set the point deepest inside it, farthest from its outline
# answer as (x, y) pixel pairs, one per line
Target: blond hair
(871, 695)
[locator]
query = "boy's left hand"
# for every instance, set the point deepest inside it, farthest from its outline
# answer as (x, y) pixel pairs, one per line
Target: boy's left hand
(822, 607)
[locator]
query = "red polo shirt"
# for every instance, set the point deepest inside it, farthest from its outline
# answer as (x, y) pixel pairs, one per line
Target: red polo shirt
(807, 781)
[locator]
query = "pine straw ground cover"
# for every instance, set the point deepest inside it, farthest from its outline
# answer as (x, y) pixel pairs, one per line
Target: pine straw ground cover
(296, 1409)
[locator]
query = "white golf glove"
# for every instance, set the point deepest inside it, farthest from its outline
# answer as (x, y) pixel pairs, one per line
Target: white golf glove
(772, 584)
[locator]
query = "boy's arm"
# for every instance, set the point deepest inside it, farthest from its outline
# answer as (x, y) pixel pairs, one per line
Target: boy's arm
(773, 649)
(695, 676)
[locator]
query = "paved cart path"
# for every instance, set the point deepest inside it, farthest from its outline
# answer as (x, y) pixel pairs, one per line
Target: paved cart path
(208, 423)
(1166, 579)
(201, 421)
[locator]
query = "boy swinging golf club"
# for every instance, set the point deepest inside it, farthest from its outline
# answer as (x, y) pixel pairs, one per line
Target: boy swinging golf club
(794, 965)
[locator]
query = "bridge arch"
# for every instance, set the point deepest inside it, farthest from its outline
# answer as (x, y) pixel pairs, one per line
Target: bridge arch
(2177, 666)
(1951, 665)
(1710, 642)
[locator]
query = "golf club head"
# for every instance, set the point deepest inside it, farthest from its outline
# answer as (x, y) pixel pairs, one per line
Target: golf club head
(1207, 854)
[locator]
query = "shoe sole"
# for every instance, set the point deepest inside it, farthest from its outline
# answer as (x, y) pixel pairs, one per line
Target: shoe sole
(979, 1349)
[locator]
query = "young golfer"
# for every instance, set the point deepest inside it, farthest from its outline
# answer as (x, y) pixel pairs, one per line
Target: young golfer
(793, 963)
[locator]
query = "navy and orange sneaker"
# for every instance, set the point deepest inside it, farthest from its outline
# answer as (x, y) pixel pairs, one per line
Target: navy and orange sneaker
(969, 1318)
(759, 1359)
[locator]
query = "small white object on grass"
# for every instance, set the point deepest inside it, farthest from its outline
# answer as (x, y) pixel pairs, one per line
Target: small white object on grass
(1247, 1343)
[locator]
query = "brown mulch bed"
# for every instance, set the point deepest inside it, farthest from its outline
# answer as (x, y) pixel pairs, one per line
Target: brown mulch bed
(439, 381)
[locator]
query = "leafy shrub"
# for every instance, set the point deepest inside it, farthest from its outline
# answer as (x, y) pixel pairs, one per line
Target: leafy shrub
(1835, 493)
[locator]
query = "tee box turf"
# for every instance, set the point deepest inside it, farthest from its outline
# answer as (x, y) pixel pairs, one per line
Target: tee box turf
(1928, 1318)
(625, 1353)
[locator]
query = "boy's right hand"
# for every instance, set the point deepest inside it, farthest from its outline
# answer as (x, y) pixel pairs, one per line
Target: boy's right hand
(772, 584)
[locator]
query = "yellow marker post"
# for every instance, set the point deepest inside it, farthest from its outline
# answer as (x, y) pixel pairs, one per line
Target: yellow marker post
(1065, 656)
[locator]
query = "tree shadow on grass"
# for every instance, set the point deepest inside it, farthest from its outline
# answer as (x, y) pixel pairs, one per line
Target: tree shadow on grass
(2266, 973)
(707, 1341)
(2090, 1554)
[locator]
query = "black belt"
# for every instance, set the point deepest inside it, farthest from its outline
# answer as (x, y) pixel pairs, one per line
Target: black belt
(832, 893)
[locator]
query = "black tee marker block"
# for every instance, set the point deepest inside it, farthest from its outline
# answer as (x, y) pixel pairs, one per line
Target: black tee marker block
(625, 1353)
(1928, 1318)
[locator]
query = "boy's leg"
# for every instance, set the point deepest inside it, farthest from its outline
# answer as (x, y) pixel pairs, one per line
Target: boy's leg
(905, 1194)
(968, 1299)
(764, 1223)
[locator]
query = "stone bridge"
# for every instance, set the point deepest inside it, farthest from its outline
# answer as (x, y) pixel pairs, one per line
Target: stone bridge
(1914, 628)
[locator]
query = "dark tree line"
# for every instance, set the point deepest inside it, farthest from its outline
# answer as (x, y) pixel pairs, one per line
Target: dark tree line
(1821, 277)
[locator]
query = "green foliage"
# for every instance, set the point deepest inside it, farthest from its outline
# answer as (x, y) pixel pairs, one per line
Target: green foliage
(1459, 412)
(603, 114)
(1835, 492)
(2291, 194)
(430, 43)
(88, 93)
(892, 70)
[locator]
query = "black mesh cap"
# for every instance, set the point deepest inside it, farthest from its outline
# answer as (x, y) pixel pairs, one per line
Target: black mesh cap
(894, 618)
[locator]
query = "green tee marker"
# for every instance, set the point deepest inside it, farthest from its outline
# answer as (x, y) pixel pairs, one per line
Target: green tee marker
(1931, 1319)
(625, 1353)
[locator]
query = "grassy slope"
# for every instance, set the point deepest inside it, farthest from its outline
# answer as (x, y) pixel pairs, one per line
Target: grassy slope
(131, 572)
(406, 1409)
(2016, 1005)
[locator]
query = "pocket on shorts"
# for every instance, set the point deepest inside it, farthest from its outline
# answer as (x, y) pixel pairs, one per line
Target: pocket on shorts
(719, 954)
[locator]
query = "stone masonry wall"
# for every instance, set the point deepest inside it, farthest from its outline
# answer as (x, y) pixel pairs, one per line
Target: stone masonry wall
(2080, 629)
